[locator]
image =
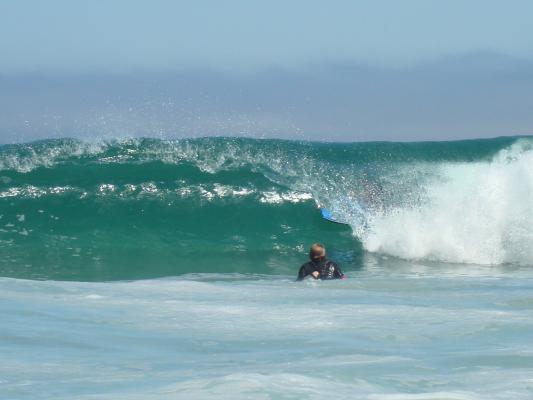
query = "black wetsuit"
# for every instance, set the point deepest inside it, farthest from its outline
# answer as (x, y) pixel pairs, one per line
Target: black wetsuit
(327, 269)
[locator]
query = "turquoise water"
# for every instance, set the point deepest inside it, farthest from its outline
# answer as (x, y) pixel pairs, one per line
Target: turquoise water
(139, 269)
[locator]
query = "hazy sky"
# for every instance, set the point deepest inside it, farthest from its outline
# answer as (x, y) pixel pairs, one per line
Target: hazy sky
(339, 70)
(115, 35)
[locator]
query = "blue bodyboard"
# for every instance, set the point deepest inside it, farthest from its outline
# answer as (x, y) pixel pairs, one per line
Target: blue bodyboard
(326, 214)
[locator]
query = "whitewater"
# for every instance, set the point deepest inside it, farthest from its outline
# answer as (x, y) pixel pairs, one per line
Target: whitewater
(147, 268)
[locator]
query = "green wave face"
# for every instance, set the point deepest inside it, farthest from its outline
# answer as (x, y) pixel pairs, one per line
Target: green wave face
(149, 208)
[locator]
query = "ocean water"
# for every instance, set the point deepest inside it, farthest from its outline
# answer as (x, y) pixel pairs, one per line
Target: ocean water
(144, 269)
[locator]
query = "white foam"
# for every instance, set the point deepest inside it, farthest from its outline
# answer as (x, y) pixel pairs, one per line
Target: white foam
(229, 191)
(106, 188)
(472, 213)
(274, 197)
(268, 338)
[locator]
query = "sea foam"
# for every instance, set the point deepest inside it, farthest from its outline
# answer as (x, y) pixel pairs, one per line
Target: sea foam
(477, 212)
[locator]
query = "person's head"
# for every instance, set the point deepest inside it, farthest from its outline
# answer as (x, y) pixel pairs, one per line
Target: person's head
(317, 252)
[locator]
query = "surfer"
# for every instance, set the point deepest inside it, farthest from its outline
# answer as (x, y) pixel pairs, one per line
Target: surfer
(319, 267)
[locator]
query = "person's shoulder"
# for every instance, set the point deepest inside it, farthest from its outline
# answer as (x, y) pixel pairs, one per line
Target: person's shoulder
(329, 262)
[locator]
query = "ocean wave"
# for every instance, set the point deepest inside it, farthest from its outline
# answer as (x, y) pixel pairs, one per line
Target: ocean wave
(150, 207)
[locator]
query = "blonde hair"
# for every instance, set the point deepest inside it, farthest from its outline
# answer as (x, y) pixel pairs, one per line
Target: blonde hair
(317, 251)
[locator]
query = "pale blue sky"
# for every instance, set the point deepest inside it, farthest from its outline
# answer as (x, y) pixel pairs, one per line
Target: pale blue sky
(117, 35)
(318, 70)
